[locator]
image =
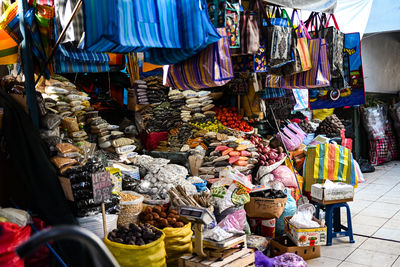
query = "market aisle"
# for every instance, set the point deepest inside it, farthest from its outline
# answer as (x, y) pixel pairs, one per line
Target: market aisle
(375, 214)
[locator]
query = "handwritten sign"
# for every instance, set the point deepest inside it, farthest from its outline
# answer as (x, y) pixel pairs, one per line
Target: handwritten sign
(102, 186)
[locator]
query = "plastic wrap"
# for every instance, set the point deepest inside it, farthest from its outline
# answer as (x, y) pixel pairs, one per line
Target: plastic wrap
(374, 122)
(216, 234)
(303, 218)
(234, 223)
(284, 175)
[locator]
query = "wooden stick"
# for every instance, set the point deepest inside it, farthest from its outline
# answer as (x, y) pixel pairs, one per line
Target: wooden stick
(103, 213)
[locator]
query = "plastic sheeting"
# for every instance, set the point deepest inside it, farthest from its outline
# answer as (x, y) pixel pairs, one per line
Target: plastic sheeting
(311, 5)
(353, 15)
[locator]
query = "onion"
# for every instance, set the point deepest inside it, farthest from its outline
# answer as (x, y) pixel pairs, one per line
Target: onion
(265, 150)
(273, 155)
(271, 161)
(262, 163)
(262, 157)
(274, 150)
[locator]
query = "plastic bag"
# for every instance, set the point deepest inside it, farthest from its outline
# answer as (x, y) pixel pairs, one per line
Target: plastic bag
(234, 223)
(50, 121)
(178, 241)
(262, 260)
(95, 223)
(216, 234)
(290, 210)
(12, 236)
(289, 260)
(374, 121)
(303, 218)
(284, 175)
(149, 255)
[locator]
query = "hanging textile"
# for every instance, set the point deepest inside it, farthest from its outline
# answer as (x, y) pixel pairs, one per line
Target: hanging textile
(211, 67)
(69, 59)
(64, 9)
(8, 49)
(169, 31)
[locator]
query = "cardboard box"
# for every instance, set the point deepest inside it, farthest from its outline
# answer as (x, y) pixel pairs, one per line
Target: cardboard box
(306, 236)
(266, 208)
(343, 192)
(283, 244)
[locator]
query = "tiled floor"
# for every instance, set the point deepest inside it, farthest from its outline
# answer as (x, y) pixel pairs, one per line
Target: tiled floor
(375, 214)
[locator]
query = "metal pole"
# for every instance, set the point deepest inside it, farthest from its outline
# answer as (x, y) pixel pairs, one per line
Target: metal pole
(27, 64)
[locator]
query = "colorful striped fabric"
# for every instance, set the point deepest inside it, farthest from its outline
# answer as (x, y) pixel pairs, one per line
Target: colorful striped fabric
(10, 23)
(8, 49)
(169, 31)
(270, 93)
(210, 68)
(329, 161)
(70, 59)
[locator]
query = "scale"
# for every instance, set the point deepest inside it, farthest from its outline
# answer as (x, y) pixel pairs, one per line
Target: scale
(219, 249)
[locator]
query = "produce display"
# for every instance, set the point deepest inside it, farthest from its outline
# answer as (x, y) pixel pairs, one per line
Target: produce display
(161, 217)
(138, 235)
(230, 118)
(330, 127)
(267, 155)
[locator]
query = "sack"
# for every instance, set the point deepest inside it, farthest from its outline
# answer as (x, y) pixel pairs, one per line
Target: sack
(298, 156)
(392, 142)
(322, 114)
(338, 166)
(378, 150)
(149, 255)
(178, 241)
(279, 45)
(284, 175)
(210, 68)
(10, 238)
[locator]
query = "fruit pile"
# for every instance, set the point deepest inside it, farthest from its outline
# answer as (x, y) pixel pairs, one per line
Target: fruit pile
(268, 155)
(139, 235)
(230, 118)
(211, 125)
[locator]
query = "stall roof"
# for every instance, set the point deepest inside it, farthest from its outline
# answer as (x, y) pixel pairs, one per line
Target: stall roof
(384, 16)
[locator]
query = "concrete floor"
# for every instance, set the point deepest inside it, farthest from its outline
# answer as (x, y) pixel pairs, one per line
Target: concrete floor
(375, 216)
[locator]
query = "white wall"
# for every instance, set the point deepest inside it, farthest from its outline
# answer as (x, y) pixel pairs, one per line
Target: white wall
(381, 62)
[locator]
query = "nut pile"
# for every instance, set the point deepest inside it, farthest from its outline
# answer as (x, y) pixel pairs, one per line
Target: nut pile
(161, 217)
(331, 126)
(139, 235)
(306, 126)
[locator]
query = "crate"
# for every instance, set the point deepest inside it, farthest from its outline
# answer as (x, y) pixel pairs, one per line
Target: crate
(243, 258)
(283, 244)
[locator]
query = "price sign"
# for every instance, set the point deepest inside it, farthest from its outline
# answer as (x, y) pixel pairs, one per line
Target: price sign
(102, 186)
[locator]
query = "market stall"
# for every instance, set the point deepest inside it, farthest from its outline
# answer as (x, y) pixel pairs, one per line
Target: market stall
(210, 136)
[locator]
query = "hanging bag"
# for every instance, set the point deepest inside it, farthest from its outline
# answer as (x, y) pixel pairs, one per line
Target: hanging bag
(334, 43)
(232, 24)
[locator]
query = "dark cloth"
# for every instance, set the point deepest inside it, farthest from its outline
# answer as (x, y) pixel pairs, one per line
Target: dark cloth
(38, 178)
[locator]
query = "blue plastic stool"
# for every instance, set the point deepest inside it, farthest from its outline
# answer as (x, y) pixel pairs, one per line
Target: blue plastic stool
(333, 222)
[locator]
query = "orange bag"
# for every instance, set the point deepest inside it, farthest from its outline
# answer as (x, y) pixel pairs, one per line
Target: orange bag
(8, 49)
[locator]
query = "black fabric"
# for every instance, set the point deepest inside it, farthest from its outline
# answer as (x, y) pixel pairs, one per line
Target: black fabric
(38, 177)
